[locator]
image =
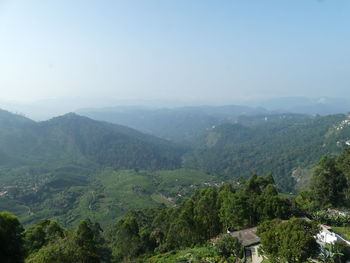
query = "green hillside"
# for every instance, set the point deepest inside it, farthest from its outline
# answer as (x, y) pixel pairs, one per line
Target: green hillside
(275, 144)
(75, 139)
(72, 167)
(234, 141)
(71, 194)
(60, 168)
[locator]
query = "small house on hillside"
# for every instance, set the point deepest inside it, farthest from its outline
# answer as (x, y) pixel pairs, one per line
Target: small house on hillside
(249, 240)
(326, 236)
(251, 243)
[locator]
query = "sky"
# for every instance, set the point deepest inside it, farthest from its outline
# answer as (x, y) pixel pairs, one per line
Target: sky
(189, 50)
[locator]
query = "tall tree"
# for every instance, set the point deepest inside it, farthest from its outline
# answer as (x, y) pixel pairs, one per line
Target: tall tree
(206, 214)
(230, 247)
(63, 250)
(41, 234)
(11, 239)
(183, 231)
(127, 243)
(343, 164)
(234, 211)
(328, 183)
(271, 205)
(86, 240)
(288, 242)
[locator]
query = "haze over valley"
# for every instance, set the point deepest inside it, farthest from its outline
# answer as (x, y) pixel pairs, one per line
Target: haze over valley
(174, 131)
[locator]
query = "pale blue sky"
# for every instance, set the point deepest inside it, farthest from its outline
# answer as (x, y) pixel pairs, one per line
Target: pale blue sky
(191, 50)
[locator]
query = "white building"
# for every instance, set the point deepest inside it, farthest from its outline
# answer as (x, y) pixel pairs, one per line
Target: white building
(327, 236)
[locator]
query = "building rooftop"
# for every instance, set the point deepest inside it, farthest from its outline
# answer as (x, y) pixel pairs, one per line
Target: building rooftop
(246, 236)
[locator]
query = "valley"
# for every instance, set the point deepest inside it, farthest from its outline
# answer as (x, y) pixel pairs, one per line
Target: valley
(136, 196)
(72, 167)
(182, 131)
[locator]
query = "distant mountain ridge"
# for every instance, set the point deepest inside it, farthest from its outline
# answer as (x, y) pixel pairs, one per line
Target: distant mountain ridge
(73, 138)
(181, 124)
(303, 105)
(184, 124)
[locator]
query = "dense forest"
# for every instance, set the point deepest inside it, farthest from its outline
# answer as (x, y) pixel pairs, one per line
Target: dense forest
(166, 234)
(233, 141)
(75, 139)
(277, 144)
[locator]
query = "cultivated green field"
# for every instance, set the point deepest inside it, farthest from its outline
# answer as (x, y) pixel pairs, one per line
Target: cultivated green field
(102, 196)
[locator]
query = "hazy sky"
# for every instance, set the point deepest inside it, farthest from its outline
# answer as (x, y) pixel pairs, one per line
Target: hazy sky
(174, 49)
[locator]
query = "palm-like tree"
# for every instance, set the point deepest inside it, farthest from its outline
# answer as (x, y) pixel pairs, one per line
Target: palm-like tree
(329, 254)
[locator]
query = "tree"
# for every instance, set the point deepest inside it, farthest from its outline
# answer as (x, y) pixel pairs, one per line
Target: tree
(183, 231)
(253, 190)
(11, 239)
(230, 246)
(206, 214)
(306, 201)
(328, 183)
(331, 253)
(63, 250)
(343, 164)
(271, 205)
(288, 242)
(255, 201)
(48, 242)
(41, 234)
(86, 240)
(127, 240)
(270, 239)
(234, 211)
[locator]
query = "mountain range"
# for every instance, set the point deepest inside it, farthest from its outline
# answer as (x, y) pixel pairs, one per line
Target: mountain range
(71, 166)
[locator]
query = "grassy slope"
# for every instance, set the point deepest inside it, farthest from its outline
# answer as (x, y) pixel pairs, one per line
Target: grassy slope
(106, 195)
(342, 231)
(57, 168)
(195, 255)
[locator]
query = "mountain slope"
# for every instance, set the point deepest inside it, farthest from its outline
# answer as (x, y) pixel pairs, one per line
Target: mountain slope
(277, 144)
(60, 168)
(15, 136)
(72, 167)
(75, 139)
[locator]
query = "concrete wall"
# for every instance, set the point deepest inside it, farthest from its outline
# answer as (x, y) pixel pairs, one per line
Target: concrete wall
(254, 256)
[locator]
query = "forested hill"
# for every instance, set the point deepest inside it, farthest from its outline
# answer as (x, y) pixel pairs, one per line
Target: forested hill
(181, 124)
(71, 166)
(278, 144)
(274, 143)
(75, 139)
(12, 137)
(8, 118)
